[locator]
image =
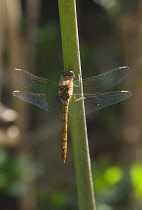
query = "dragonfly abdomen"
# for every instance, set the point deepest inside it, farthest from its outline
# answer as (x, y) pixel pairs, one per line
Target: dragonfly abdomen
(64, 129)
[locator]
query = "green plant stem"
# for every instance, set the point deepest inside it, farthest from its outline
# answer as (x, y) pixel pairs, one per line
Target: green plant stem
(71, 56)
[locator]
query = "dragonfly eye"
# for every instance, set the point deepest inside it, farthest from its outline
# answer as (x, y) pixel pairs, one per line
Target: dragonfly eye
(67, 73)
(72, 74)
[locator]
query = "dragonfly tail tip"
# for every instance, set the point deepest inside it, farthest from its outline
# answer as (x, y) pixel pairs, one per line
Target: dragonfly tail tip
(63, 159)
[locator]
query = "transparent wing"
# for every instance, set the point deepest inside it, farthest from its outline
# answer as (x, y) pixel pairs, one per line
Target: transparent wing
(104, 81)
(35, 84)
(45, 92)
(40, 100)
(98, 101)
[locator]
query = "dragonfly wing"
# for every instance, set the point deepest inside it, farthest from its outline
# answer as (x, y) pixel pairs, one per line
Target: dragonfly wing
(104, 81)
(35, 84)
(99, 101)
(95, 102)
(40, 100)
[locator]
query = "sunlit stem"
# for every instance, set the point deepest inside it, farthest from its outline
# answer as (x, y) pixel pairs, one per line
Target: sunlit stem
(71, 56)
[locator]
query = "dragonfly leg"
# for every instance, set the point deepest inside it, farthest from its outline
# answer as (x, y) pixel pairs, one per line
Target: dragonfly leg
(77, 99)
(79, 79)
(79, 76)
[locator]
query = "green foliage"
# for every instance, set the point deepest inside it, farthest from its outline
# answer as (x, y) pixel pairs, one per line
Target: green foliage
(117, 185)
(105, 176)
(10, 174)
(113, 185)
(46, 35)
(115, 188)
(136, 177)
(56, 199)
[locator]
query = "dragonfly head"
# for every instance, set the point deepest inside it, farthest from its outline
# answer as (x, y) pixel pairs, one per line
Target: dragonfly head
(67, 74)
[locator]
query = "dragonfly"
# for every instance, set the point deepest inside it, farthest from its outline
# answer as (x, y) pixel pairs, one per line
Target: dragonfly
(60, 98)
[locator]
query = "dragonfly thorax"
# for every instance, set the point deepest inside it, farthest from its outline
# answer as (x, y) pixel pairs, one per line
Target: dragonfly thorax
(66, 89)
(64, 93)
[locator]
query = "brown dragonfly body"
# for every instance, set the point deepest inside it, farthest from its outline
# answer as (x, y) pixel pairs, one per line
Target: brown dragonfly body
(65, 94)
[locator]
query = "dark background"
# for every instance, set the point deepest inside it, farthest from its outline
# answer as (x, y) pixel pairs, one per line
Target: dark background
(32, 175)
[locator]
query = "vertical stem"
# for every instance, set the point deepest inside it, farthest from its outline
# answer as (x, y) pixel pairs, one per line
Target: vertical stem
(71, 56)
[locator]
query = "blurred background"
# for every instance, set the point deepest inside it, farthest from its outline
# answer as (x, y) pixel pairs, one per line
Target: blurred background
(32, 175)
